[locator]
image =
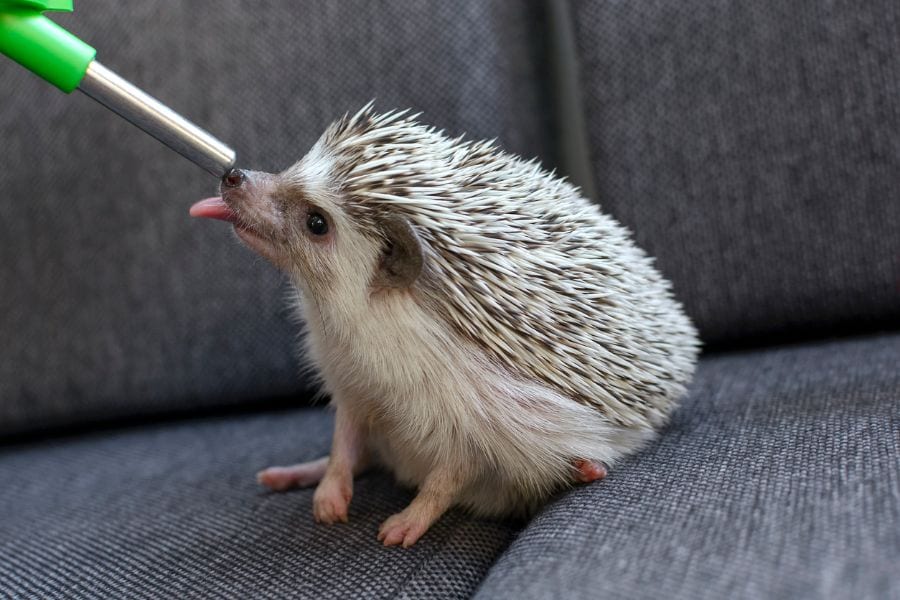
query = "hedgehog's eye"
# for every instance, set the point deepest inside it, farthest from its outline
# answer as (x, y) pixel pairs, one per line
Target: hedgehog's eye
(316, 224)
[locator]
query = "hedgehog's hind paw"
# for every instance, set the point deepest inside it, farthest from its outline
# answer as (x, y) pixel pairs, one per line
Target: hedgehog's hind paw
(285, 478)
(587, 471)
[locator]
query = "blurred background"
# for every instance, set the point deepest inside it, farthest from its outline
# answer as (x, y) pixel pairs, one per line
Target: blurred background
(113, 300)
(752, 149)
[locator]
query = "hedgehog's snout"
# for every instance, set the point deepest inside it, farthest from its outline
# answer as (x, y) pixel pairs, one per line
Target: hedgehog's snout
(239, 185)
(249, 194)
(235, 183)
(233, 178)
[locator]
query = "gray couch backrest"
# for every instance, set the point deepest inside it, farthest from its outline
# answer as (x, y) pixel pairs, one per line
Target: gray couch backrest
(112, 301)
(754, 148)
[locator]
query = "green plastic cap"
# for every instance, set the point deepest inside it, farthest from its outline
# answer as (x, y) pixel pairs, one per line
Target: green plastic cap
(42, 46)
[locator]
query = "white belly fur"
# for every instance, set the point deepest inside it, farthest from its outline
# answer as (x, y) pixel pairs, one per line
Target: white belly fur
(433, 399)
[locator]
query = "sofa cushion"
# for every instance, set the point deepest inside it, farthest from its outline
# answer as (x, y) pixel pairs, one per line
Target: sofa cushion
(173, 511)
(754, 149)
(112, 301)
(779, 477)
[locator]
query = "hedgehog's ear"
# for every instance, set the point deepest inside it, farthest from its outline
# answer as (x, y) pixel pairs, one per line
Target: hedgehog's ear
(402, 255)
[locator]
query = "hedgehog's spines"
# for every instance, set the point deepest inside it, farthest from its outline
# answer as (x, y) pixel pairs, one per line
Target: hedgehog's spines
(523, 266)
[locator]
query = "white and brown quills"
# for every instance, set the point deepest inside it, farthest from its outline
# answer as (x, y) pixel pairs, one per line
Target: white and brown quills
(484, 332)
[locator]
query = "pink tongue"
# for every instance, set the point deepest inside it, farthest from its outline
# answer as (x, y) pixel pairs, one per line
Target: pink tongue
(213, 208)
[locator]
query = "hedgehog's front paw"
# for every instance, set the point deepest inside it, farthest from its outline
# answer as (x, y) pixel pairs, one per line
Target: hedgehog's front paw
(405, 528)
(332, 499)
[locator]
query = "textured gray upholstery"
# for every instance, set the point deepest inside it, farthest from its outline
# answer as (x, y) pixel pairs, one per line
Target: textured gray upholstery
(779, 477)
(173, 511)
(754, 148)
(112, 301)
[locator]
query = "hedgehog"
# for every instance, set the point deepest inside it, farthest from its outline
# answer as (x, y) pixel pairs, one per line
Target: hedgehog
(483, 331)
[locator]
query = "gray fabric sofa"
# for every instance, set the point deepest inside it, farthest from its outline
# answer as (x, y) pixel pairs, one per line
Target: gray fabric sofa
(148, 363)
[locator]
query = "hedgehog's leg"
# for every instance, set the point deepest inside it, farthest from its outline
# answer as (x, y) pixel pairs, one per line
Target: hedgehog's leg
(348, 458)
(294, 476)
(587, 471)
(434, 498)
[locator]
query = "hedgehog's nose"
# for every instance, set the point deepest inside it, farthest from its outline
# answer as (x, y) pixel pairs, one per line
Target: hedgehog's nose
(233, 178)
